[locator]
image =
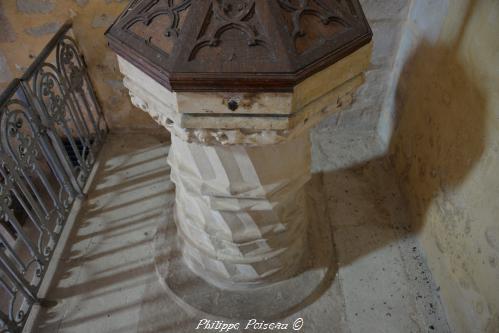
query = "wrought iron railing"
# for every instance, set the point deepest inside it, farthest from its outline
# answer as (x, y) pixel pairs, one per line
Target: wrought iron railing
(51, 129)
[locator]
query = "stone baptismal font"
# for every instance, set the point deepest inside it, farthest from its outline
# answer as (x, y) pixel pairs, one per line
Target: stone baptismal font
(239, 84)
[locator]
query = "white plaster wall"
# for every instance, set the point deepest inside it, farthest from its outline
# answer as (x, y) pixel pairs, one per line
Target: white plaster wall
(350, 137)
(424, 22)
(441, 124)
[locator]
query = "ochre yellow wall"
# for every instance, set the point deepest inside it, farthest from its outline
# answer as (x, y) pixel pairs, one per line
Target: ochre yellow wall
(27, 25)
(446, 150)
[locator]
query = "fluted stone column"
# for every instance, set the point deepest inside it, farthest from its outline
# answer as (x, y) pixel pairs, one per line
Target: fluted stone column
(240, 211)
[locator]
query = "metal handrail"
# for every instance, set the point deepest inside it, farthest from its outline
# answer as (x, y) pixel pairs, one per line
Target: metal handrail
(40, 59)
(51, 129)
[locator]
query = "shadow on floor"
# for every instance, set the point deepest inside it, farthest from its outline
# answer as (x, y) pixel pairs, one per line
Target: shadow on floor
(107, 260)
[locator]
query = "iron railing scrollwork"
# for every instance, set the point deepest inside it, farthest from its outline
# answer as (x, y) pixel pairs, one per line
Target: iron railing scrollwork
(51, 129)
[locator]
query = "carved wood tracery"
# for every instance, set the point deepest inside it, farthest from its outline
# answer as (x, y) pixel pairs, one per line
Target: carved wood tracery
(238, 17)
(159, 22)
(237, 45)
(311, 22)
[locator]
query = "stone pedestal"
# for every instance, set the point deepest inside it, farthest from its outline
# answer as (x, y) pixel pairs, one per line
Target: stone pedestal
(239, 84)
(240, 161)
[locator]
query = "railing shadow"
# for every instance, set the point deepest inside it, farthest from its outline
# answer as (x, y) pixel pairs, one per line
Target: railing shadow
(107, 255)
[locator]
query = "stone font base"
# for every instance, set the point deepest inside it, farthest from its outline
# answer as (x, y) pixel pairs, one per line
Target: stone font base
(277, 300)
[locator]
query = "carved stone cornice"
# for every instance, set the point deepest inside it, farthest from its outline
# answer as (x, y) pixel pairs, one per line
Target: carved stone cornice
(257, 118)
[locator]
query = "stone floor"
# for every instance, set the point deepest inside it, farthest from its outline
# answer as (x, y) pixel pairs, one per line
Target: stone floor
(105, 280)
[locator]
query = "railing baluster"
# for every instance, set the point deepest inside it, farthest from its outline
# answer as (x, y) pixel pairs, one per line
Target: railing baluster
(16, 278)
(8, 326)
(74, 72)
(12, 253)
(53, 162)
(13, 178)
(21, 234)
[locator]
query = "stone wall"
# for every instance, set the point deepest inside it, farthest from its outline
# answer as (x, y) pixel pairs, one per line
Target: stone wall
(444, 107)
(27, 25)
